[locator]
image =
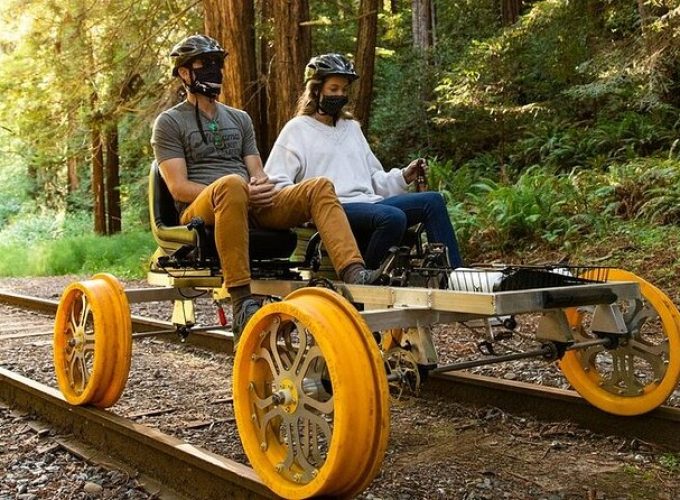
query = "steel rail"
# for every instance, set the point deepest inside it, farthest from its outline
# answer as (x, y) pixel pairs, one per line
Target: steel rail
(216, 340)
(178, 465)
(550, 404)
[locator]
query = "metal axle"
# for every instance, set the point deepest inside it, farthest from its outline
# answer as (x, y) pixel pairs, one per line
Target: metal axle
(547, 351)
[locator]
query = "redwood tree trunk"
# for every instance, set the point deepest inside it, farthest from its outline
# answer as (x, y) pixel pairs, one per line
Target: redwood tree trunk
(112, 180)
(365, 59)
(422, 24)
(232, 23)
(510, 11)
(293, 47)
(98, 179)
(72, 173)
(265, 58)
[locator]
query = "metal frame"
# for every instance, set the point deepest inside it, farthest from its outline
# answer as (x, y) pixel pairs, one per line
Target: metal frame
(393, 307)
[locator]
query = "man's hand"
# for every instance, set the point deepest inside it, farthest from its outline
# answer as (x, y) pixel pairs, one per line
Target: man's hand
(261, 192)
(410, 172)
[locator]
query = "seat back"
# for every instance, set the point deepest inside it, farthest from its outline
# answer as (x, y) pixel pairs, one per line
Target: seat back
(163, 210)
(164, 218)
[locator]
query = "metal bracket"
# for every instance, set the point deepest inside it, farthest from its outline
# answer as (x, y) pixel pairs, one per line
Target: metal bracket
(422, 345)
(183, 313)
(554, 326)
(608, 318)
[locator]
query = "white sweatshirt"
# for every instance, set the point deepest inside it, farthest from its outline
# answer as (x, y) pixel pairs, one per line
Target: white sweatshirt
(308, 148)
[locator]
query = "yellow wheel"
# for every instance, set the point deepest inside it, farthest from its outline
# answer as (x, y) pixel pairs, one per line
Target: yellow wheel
(389, 339)
(311, 397)
(402, 366)
(92, 342)
(638, 374)
(121, 338)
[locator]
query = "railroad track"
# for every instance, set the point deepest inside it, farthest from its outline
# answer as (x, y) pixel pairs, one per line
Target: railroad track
(135, 444)
(163, 457)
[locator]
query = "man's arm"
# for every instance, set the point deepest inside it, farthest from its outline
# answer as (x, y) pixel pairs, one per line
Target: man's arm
(254, 166)
(174, 172)
(261, 190)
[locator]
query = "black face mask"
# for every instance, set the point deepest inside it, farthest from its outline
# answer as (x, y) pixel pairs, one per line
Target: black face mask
(207, 81)
(332, 104)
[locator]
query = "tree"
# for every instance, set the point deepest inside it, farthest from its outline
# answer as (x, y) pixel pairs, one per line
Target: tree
(292, 50)
(113, 213)
(266, 86)
(422, 25)
(98, 188)
(510, 10)
(365, 59)
(232, 23)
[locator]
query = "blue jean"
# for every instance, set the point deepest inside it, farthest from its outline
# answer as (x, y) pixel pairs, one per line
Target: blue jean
(382, 225)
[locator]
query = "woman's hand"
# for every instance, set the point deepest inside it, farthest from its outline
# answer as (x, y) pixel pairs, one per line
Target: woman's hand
(410, 172)
(261, 192)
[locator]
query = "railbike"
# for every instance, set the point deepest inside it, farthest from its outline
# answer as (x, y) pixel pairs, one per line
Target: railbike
(316, 365)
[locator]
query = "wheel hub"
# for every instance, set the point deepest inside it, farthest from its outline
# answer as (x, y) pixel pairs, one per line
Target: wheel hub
(286, 396)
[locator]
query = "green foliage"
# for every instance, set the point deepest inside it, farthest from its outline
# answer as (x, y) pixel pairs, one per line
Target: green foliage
(539, 207)
(544, 208)
(124, 254)
(646, 189)
(555, 89)
(670, 461)
(398, 118)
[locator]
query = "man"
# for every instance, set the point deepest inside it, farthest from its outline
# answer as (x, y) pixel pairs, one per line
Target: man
(208, 158)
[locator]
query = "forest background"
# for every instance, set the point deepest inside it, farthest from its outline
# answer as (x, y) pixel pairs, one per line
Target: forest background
(552, 127)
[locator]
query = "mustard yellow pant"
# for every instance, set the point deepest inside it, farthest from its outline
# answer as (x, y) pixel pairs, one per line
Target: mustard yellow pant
(224, 204)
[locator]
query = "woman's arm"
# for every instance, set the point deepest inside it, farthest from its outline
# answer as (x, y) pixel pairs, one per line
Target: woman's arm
(284, 165)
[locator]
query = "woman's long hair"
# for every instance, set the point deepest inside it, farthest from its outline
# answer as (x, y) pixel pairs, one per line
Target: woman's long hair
(308, 102)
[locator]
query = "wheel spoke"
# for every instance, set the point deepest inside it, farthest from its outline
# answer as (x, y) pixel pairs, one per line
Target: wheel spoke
(654, 355)
(623, 378)
(73, 322)
(290, 449)
(263, 403)
(589, 356)
(647, 350)
(302, 347)
(273, 344)
(85, 311)
(317, 422)
(299, 445)
(325, 407)
(313, 354)
(75, 359)
(266, 355)
(272, 413)
(85, 371)
(638, 314)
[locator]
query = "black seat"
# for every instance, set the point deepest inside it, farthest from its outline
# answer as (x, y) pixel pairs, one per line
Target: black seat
(194, 239)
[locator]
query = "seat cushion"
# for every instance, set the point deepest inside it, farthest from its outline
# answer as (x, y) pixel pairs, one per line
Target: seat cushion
(271, 244)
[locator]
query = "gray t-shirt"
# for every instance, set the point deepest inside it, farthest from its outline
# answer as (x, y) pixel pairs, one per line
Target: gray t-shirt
(230, 137)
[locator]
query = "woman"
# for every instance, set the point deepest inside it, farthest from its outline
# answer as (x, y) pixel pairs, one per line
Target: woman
(323, 140)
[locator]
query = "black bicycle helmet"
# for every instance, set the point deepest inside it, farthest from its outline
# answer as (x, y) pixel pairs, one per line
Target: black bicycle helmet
(319, 67)
(193, 46)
